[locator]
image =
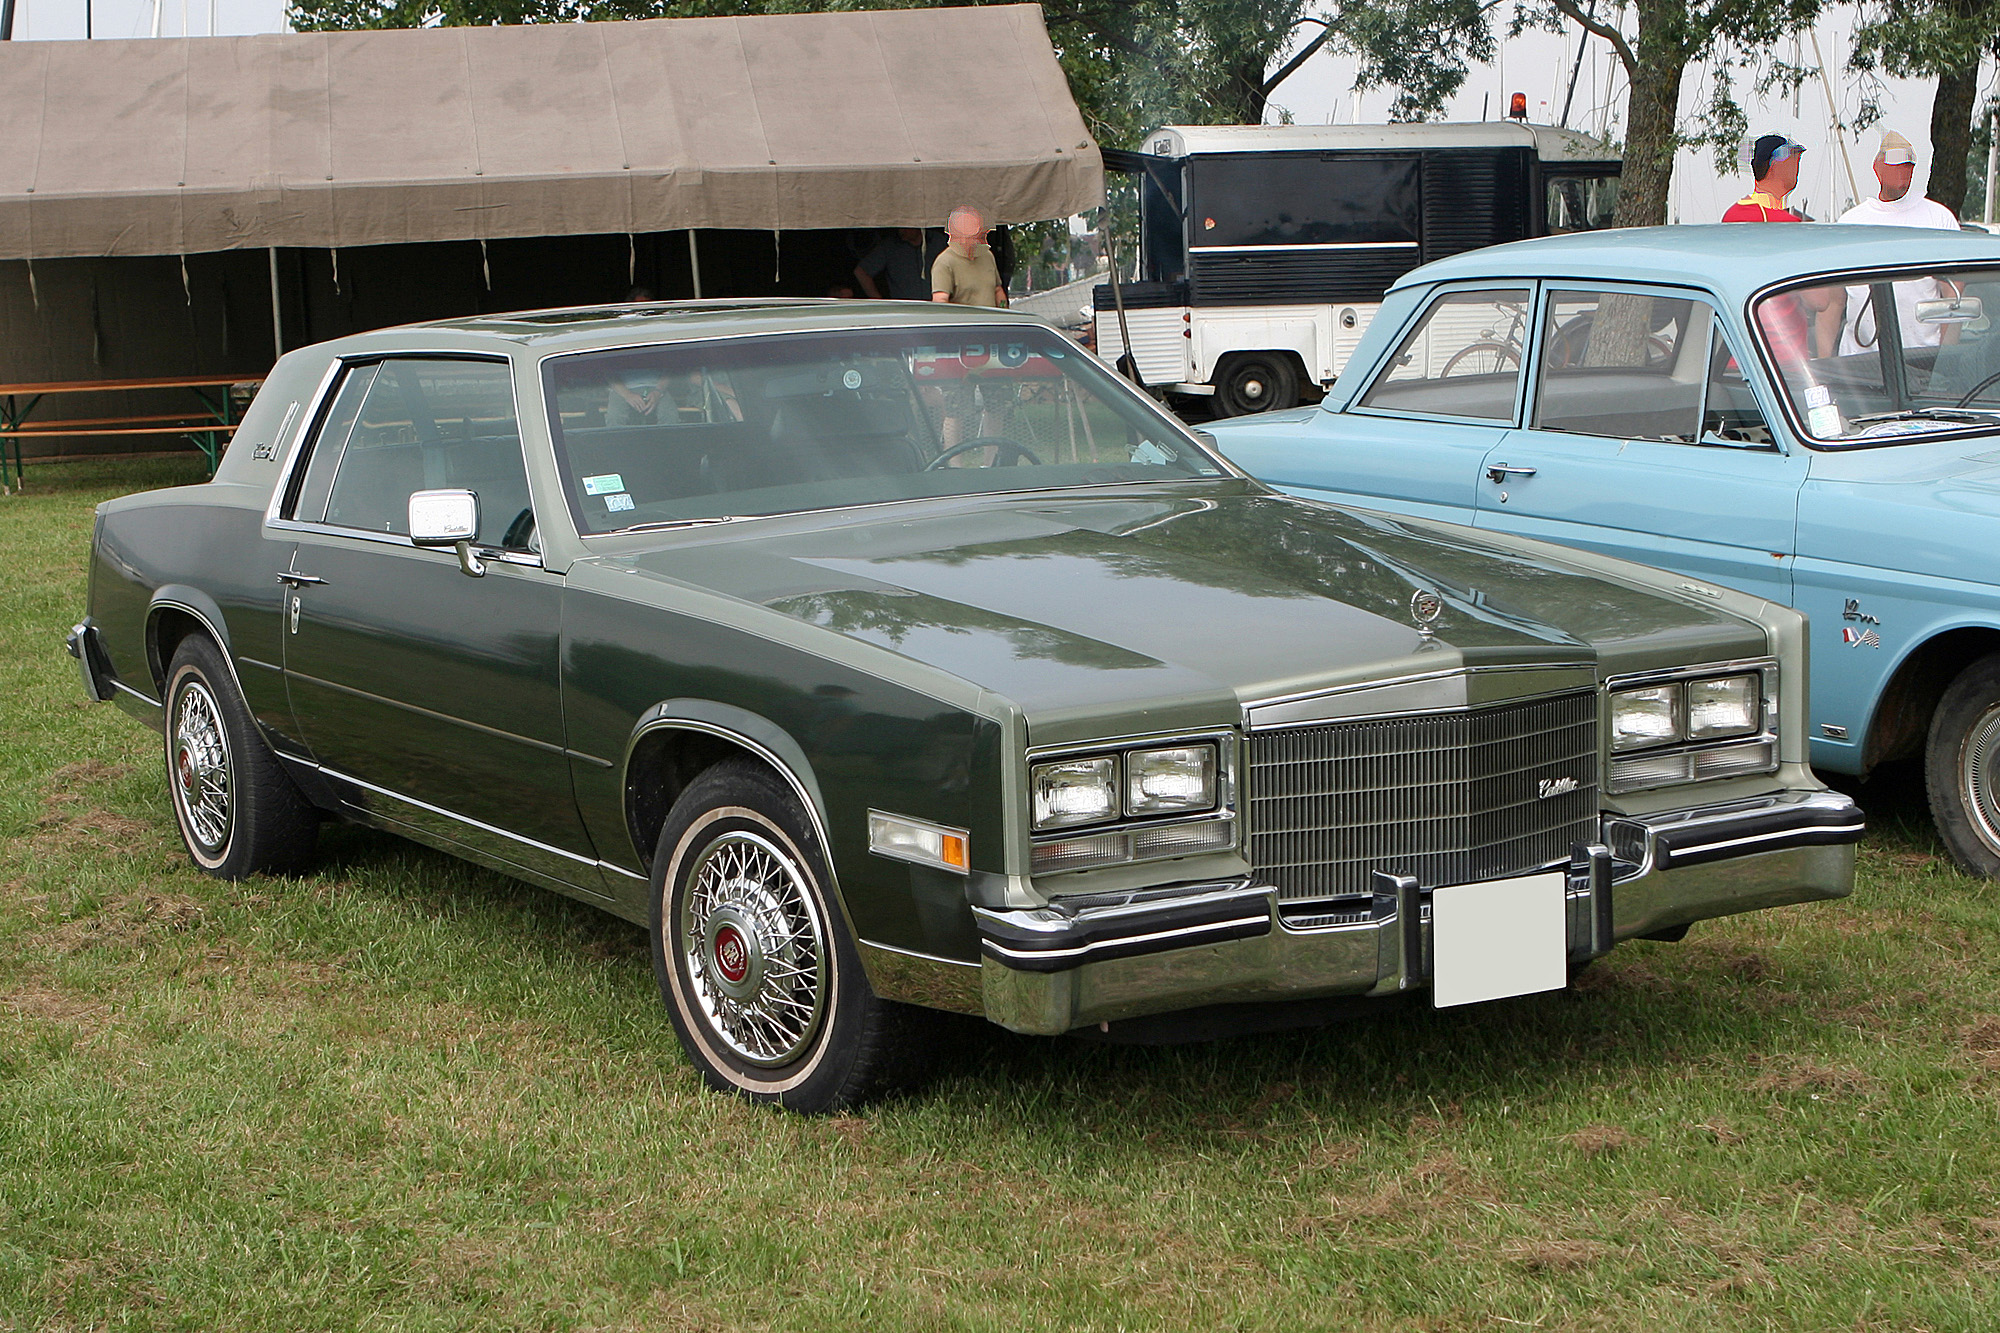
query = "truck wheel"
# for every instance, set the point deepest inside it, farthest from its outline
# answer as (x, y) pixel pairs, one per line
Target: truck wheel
(1962, 768)
(239, 812)
(762, 982)
(1249, 382)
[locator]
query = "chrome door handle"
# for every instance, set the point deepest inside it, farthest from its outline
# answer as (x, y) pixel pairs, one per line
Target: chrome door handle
(299, 580)
(1500, 471)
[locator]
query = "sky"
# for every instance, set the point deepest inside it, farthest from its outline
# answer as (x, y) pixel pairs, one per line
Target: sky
(1538, 64)
(54, 20)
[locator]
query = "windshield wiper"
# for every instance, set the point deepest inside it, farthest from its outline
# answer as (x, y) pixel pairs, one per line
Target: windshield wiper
(665, 524)
(1928, 414)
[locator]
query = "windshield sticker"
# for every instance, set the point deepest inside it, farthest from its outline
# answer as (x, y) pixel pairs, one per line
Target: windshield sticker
(1823, 421)
(603, 485)
(618, 502)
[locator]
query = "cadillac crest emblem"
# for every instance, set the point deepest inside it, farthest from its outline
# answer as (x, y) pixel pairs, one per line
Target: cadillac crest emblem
(1425, 607)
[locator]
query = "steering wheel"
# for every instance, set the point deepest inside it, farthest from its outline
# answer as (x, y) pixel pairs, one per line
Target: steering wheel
(1007, 453)
(1978, 389)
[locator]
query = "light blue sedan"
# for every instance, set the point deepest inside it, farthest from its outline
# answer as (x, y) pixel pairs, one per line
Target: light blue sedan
(1810, 413)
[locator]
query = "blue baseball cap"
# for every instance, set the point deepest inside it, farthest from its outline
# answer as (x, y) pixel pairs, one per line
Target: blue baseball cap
(1772, 148)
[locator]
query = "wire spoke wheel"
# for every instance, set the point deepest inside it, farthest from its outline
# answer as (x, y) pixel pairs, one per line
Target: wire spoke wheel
(202, 774)
(754, 945)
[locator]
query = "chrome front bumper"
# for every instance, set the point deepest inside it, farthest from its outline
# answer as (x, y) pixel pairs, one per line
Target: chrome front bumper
(1089, 960)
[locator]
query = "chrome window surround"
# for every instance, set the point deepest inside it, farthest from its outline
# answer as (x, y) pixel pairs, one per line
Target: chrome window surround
(1224, 809)
(308, 425)
(1766, 669)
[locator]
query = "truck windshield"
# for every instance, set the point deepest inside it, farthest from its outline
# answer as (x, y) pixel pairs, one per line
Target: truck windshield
(1873, 358)
(710, 430)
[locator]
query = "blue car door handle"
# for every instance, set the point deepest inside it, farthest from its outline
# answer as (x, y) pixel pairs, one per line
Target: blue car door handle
(1500, 471)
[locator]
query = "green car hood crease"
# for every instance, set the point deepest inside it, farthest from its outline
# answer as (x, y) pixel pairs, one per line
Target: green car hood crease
(1158, 604)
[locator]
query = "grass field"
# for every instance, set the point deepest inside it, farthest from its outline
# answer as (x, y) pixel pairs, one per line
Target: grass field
(401, 1093)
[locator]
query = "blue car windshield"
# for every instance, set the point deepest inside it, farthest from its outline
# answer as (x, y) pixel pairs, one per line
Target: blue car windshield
(1873, 358)
(685, 432)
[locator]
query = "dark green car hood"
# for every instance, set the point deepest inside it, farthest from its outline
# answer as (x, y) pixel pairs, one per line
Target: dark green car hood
(1151, 601)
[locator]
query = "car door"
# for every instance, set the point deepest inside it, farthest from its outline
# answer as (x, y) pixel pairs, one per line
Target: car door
(1644, 440)
(430, 695)
(1414, 439)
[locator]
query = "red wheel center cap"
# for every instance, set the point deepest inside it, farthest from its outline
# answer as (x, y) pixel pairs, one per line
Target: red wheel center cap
(186, 767)
(732, 954)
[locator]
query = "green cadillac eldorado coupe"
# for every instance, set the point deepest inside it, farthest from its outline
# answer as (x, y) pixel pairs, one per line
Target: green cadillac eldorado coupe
(891, 655)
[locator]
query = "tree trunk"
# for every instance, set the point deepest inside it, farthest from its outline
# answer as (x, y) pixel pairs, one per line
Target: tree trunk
(1951, 134)
(1241, 98)
(1652, 131)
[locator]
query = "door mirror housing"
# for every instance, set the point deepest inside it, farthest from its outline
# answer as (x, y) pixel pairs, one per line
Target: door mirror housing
(443, 518)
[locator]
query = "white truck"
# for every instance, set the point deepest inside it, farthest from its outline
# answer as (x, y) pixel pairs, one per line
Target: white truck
(1264, 250)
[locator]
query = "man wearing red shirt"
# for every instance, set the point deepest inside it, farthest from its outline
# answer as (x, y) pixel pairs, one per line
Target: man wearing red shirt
(1806, 321)
(1774, 161)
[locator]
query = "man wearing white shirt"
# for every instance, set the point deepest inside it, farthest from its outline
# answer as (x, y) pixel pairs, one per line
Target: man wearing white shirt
(1896, 206)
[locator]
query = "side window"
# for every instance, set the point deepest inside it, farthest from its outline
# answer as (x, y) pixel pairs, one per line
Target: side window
(331, 442)
(415, 425)
(1626, 365)
(1463, 358)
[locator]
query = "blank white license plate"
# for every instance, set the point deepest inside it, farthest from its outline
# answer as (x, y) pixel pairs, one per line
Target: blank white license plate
(1504, 937)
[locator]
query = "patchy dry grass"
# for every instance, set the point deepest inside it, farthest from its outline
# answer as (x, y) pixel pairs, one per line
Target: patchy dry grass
(403, 1093)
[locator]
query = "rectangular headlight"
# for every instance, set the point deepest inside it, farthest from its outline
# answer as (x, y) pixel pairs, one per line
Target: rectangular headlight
(1177, 780)
(1725, 706)
(1644, 717)
(1074, 791)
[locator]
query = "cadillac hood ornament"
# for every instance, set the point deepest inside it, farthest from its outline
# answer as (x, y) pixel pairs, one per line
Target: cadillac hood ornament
(1425, 607)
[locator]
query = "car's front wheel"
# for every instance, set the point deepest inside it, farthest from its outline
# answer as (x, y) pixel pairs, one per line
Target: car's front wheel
(239, 812)
(1962, 768)
(758, 971)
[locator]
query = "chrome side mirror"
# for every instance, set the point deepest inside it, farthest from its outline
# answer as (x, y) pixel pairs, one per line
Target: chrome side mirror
(447, 518)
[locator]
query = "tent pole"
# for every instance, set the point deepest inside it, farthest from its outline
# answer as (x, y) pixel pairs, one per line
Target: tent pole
(277, 308)
(694, 264)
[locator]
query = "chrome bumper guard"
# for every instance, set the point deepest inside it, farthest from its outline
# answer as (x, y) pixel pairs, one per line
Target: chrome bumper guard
(1097, 958)
(82, 645)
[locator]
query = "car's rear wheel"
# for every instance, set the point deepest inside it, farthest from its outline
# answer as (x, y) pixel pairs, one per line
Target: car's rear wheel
(238, 811)
(754, 961)
(1962, 768)
(1248, 382)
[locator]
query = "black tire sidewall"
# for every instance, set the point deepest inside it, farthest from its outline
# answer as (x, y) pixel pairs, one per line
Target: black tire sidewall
(1965, 701)
(1281, 380)
(739, 795)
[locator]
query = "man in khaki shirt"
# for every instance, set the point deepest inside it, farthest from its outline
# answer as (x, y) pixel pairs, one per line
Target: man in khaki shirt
(965, 273)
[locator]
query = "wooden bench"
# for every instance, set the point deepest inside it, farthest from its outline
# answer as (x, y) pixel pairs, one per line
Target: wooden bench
(208, 424)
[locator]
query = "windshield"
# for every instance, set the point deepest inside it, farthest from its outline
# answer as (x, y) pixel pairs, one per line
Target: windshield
(1876, 358)
(703, 431)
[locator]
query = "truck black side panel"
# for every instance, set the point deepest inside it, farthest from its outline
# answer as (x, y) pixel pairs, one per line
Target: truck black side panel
(1297, 277)
(1474, 197)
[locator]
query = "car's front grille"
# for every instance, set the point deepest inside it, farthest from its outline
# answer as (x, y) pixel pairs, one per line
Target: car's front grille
(1451, 798)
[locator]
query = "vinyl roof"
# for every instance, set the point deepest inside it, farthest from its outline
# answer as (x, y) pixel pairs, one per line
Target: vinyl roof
(874, 118)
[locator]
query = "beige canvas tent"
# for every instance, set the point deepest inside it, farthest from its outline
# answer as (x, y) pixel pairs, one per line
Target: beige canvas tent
(369, 138)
